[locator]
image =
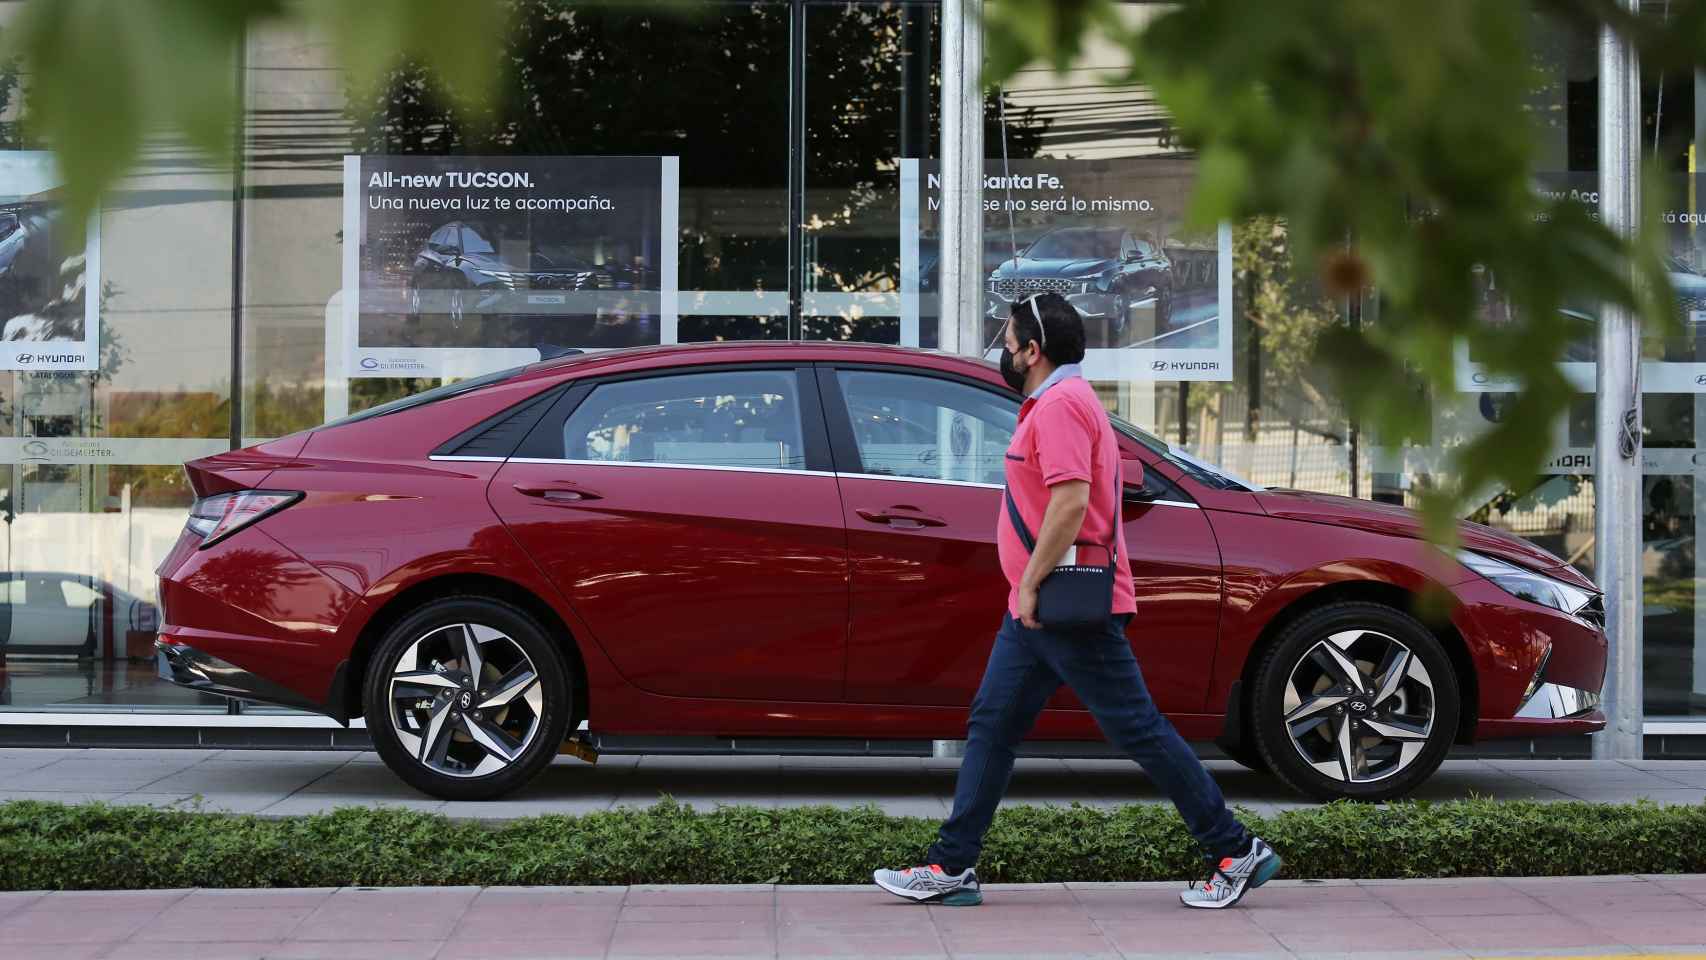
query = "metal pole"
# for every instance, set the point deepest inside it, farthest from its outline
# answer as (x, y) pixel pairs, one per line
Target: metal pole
(960, 320)
(1617, 414)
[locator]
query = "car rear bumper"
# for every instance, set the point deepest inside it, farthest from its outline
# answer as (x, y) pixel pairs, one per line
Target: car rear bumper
(203, 672)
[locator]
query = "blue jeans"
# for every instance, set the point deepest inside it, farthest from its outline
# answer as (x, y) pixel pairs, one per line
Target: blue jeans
(1025, 669)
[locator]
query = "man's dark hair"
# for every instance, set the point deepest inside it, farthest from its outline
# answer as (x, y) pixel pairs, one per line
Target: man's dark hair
(1064, 328)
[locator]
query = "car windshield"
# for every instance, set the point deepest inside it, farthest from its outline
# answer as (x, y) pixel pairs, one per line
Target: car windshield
(1201, 471)
(1077, 245)
(425, 397)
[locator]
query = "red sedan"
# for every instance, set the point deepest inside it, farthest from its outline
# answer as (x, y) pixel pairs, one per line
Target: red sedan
(781, 546)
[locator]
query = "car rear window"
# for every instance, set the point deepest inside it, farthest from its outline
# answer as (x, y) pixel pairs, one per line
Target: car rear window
(425, 397)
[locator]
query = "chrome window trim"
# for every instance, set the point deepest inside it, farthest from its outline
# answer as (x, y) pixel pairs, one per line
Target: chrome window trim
(786, 471)
(781, 470)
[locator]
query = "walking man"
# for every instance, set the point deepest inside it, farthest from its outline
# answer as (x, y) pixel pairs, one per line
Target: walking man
(1063, 477)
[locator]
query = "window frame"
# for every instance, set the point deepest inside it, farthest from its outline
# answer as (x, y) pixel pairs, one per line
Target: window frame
(544, 443)
(845, 439)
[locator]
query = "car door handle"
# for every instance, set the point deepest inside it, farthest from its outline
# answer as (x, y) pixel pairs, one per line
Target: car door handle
(901, 517)
(559, 494)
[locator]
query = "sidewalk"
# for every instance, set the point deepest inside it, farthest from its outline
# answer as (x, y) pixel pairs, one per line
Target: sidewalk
(274, 783)
(1406, 919)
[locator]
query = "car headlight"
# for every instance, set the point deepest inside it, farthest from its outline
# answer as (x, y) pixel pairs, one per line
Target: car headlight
(1526, 584)
(504, 277)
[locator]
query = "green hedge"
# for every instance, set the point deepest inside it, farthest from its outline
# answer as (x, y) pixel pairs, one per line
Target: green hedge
(49, 846)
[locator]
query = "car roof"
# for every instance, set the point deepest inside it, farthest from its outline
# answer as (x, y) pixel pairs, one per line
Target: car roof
(760, 351)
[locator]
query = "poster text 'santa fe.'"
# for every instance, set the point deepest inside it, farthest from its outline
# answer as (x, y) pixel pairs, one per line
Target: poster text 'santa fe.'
(49, 293)
(1108, 235)
(464, 265)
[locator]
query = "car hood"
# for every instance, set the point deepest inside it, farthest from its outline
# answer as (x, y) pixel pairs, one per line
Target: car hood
(1052, 269)
(1399, 521)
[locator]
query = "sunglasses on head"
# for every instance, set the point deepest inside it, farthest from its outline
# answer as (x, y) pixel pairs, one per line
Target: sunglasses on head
(1030, 303)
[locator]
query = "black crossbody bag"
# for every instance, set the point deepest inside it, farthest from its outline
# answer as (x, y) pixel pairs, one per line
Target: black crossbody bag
(1078, 596)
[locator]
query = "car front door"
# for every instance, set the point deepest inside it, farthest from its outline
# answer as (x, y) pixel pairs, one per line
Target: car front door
(692, 523)
(921, 461)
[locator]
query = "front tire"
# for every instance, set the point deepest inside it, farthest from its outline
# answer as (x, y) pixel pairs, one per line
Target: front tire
(1355, 701)
(467, 698)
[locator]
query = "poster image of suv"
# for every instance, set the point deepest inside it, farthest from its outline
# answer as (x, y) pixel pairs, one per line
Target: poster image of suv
(504, 253)
(41, 289)
(1105, 272)
(469, 267)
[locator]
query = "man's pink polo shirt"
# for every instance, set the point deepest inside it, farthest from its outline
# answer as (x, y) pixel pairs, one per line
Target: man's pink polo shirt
(1064, 434)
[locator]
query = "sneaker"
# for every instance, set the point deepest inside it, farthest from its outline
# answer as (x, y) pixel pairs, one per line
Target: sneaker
(1228, 880)
(932, 884)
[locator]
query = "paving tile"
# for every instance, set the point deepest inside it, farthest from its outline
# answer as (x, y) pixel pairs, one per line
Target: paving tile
(61, 796)
(757, 894)
(225, 776)
(1033, 947)
(195, 923)
(518, 809)
(10, 901)
(302, 804)
(95, 901)
(353, 949)
(697, 938)
(1517, 933)
(1189, 932)
(180, 950)
(32, 925)
(550, 896)
(1361, 935)
(55, 951)
(591, 945)
(387, 914)
(734, 913)
(202, 803)
(541, 921)
(1649, 929)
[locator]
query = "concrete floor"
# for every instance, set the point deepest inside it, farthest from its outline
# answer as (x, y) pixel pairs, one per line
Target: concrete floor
(1552, 916)
(293, 782)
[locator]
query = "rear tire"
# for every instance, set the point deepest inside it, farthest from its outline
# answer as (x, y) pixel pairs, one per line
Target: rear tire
(461, 725)
(1355, 701)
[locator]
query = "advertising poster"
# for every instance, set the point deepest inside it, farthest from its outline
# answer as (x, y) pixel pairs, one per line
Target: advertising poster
(464, 265)
(49, 297)
(1671, 364)
(1109, 235)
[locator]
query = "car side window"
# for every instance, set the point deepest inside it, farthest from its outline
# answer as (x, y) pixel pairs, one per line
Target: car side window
(1156, 487)
(12, 593)
(78, 595)
(908, 425)
(738, 418)
(473, 241)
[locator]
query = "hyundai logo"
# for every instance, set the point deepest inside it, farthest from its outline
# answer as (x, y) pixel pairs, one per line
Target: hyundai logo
(1158, 365)
(466, 700)
(35, 450)
(368, 363)
(1359, 706)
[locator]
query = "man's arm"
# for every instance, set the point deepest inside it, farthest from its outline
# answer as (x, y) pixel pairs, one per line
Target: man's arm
(1067, 503)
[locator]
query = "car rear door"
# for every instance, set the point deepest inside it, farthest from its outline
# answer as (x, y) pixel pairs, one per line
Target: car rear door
(692, 522)
(921, 462)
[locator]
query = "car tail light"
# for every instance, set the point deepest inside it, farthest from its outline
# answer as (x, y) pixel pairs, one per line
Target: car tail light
(215, 518)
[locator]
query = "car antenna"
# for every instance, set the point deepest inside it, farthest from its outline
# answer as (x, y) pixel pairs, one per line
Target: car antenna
(551, 351)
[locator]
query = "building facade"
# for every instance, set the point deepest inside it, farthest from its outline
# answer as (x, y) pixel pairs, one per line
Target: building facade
(761, 170)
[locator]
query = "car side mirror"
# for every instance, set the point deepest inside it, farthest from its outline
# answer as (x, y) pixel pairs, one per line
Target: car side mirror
(1131, 473)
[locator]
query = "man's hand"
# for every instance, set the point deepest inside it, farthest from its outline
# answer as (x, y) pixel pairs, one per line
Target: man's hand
(1028, 606)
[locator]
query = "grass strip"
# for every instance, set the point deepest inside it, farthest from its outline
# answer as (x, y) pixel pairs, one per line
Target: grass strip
(96, 846)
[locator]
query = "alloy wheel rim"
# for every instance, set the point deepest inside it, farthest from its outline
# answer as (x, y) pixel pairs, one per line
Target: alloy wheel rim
(465, 700)
(1359, 706)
